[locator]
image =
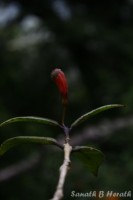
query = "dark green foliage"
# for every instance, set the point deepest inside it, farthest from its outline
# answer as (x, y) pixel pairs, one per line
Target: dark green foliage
(91, 157)
(94, 47)
(10, 143)
(93, 113)
(33, 119)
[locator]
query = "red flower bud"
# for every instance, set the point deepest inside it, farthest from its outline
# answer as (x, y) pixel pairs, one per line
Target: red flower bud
(59, 78)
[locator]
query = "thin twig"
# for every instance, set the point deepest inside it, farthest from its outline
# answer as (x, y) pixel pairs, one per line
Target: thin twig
(102, 130)
(16, 169)
(63, 114)
(63, 172)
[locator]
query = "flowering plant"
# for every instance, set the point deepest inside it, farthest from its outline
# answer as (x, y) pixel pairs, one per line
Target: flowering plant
(90, 156)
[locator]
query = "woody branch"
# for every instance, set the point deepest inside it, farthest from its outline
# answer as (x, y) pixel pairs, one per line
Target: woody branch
(63, 172)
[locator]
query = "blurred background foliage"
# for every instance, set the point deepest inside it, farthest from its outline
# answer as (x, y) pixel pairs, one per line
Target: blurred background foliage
(92, 41)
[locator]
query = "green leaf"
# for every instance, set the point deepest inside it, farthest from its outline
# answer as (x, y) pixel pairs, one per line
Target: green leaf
(94, 112)
(10, 143)
(91, 157)
(30, 119)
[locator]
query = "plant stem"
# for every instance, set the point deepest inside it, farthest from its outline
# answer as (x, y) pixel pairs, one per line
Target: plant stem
(63, 172)
(63, 114)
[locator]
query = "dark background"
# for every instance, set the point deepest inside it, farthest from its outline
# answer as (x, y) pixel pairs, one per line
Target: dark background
(92, 42)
